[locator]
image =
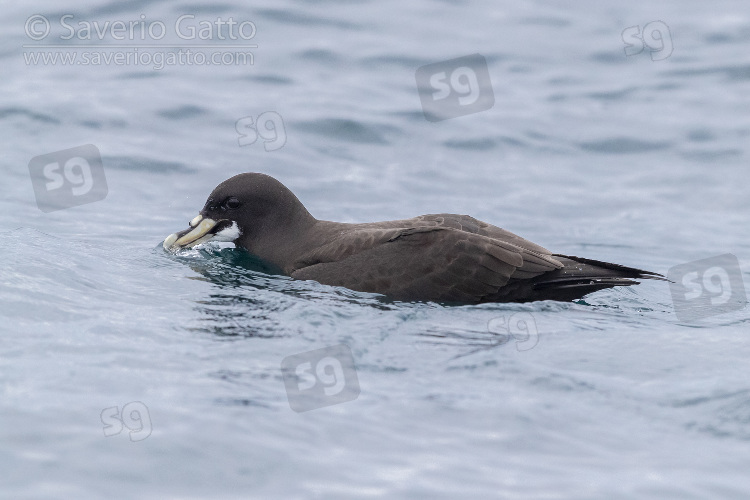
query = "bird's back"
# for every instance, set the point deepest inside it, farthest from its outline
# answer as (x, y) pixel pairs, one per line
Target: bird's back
(452, 258)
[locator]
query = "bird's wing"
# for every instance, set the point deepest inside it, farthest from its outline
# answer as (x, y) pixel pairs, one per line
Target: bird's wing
(422, 263)
(471, 225)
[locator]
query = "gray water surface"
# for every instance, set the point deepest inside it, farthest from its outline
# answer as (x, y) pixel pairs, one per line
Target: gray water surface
(637, 159)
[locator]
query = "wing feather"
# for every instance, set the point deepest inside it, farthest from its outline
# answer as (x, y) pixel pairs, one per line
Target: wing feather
(439, 263)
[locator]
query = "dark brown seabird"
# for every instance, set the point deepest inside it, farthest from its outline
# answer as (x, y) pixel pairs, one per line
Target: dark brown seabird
(441, 257)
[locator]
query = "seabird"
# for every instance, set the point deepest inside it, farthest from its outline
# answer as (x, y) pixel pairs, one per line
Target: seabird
(440, 257)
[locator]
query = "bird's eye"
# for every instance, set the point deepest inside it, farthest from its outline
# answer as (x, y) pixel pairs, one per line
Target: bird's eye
(232, 203)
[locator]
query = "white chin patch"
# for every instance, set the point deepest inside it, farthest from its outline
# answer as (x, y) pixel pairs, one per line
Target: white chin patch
(229, 234)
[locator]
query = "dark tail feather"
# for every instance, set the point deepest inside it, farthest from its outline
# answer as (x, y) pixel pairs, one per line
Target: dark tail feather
(577, 278)
(615, 270)
(582, 276)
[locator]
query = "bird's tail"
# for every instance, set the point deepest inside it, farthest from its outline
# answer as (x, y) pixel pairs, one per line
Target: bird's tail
(598, 268)
(581, 276)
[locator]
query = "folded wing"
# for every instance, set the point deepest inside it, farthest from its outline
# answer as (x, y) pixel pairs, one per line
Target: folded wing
(433, 262)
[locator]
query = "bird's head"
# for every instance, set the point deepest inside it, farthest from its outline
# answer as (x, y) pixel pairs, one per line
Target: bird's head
(252, 210)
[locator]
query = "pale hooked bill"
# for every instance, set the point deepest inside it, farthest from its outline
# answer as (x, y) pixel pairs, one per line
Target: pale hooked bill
(202, 230)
